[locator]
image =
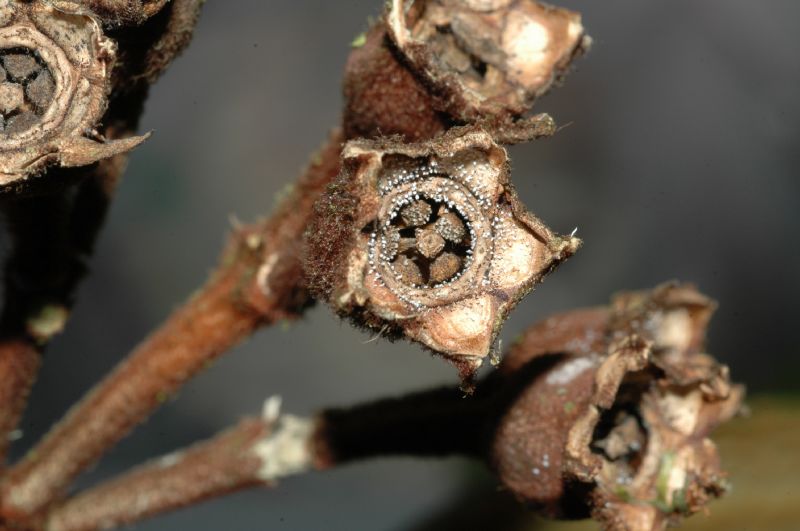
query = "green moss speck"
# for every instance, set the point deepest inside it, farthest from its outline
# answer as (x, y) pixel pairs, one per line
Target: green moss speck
(359, 40)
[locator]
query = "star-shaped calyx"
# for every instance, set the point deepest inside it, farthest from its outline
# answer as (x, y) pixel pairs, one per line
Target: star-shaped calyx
(429, 241)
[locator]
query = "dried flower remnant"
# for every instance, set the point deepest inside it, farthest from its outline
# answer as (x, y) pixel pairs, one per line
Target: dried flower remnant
(429, 65)
(617, 426)
(486, 57)
(429, 241)
(54, 84)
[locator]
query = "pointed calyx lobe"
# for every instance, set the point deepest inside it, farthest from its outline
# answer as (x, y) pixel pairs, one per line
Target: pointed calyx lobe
(54, 83)
(429, 241)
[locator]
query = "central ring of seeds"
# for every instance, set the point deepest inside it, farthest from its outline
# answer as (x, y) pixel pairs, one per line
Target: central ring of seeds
(427, 243)
(26, 90)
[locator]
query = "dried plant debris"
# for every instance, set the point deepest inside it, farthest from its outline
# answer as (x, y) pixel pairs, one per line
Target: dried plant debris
(617, 426)
(112, 12)
(54, 84)
(486, 57)
(429, 241)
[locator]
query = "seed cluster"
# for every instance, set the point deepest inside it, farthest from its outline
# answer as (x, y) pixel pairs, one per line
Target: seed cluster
(433, 223)
(26, 90)
(426, 243)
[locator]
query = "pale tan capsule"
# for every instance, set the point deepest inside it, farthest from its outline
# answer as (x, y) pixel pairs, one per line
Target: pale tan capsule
(54, 84)
(449, 282)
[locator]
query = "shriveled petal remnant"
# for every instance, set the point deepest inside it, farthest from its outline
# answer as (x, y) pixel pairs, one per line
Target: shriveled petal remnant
(486, 57)
(617, 426)
(429, 241)
(54, 82)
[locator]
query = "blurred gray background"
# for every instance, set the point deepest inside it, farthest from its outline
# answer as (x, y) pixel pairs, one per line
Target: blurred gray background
(680, 161)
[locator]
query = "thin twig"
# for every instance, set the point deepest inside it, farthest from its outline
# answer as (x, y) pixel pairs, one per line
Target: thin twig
(191, 338)
(258, 451)
(19, 364)
(253, 453)
(431, 423)
(226, 310)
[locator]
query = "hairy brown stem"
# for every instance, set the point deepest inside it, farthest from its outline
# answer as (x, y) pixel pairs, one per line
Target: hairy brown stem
(193, 336)
(226, 310)
(215, 467)
(430, 423)
(19, 364)
(258, 451)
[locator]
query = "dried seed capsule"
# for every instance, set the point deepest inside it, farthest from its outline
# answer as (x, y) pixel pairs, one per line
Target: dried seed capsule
(458, 62)
(450, 227)
(429, 242)
(416, 214)
(486, 57)
(62, 62)
(445, 267)
(466, 287)
(615, 420)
